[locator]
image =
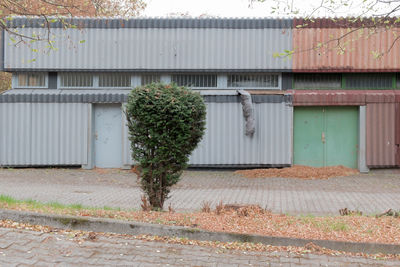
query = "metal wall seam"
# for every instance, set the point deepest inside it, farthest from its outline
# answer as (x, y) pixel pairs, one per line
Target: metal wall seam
(357, 55)
(154, 49)
(381, 135)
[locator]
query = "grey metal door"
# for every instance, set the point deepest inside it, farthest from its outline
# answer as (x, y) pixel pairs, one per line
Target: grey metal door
(108, 135)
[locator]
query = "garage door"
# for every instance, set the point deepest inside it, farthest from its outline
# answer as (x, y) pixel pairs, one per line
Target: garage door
(325, 136)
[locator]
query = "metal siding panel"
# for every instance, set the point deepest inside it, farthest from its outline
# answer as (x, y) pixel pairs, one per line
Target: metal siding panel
(1, 49)
(381, 139)
(397, 129)
(162, 23)
(225, 142)
(357, 57)
(126, 144)
(59, 134)
(43, 134)
(150, 49)
(15, 134)
(362, 158)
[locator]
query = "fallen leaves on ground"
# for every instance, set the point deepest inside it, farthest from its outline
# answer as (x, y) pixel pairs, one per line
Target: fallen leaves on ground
(254, 220)
(299, 171)
(84, 236)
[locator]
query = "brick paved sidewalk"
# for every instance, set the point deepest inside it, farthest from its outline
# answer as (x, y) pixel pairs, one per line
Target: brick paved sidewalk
(29, 248)
(371, 193)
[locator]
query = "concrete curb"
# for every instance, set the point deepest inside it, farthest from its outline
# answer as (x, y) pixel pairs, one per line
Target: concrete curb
(137, 228)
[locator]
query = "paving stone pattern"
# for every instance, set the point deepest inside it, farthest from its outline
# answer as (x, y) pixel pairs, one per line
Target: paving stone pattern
(29, 248)
(371, 193)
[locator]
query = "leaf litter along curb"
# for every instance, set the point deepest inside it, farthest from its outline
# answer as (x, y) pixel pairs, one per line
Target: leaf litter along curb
(247, 220)
(80, 237)
(300, 171)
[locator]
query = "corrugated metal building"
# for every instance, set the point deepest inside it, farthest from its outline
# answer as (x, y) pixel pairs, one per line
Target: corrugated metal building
(320, 108)
(67, 103)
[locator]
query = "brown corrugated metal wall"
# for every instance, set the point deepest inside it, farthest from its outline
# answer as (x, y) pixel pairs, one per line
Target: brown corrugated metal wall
(397, 129)
(382, 138)
(357, 54)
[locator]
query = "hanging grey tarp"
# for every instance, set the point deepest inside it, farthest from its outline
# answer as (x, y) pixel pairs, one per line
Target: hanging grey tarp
(248, 112)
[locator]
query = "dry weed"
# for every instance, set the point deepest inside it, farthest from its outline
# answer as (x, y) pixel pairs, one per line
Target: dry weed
(145, 204)
(206, 206)
(219, 208)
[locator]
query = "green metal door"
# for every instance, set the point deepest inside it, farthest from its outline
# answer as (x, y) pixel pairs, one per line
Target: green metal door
(326, 136)
(307, 146)
(341, 136)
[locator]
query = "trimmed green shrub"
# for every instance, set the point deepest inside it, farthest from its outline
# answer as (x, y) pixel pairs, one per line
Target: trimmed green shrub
(165, 122)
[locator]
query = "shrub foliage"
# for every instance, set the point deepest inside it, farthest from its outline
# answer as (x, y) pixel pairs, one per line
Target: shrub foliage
(165, 122)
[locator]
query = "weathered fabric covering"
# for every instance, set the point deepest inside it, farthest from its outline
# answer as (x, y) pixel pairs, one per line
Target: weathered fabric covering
(248, 112)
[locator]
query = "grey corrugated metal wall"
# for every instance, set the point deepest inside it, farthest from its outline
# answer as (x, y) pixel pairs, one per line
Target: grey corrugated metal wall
(225, 142)
(15, 133)
(1, 50)
(126, 144)
(43, 134)
(153, 49)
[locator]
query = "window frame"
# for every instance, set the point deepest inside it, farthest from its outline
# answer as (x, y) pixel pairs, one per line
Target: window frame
(113, 87)
(197, 88)
(320, 88)
(16, 85)
(279, 87)
(151, 74)
(95, 82)
(345, 86)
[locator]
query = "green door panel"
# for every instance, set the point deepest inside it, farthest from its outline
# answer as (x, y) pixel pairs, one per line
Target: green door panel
(341, 136)
(307, 146)
(325, 136)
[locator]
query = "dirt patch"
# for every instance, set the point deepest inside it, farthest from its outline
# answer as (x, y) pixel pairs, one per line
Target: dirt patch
(300, 171)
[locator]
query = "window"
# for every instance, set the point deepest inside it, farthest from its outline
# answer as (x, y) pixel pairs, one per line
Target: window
(317, 81)
(398, 80)
(31, 79)
(254, 80)
(150, 78)
(76, 79)
(369, 81)
(114, 80)
(195, 80)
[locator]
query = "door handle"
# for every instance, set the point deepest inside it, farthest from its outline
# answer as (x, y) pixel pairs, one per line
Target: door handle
(323, 137)
(96, 135)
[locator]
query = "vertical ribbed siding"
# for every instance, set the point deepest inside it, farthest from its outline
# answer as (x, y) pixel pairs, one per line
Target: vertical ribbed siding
(1, 50)
(359, 48)
(381, 136)
(225, 142)
(126, 143)
(15, 134)
(43, 134)
(146, 49)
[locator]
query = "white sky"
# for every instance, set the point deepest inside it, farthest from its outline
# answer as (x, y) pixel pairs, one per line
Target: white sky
(195, 8)
(240, 8)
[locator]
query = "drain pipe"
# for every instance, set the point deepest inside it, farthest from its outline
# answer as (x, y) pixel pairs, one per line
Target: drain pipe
(248, 112)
